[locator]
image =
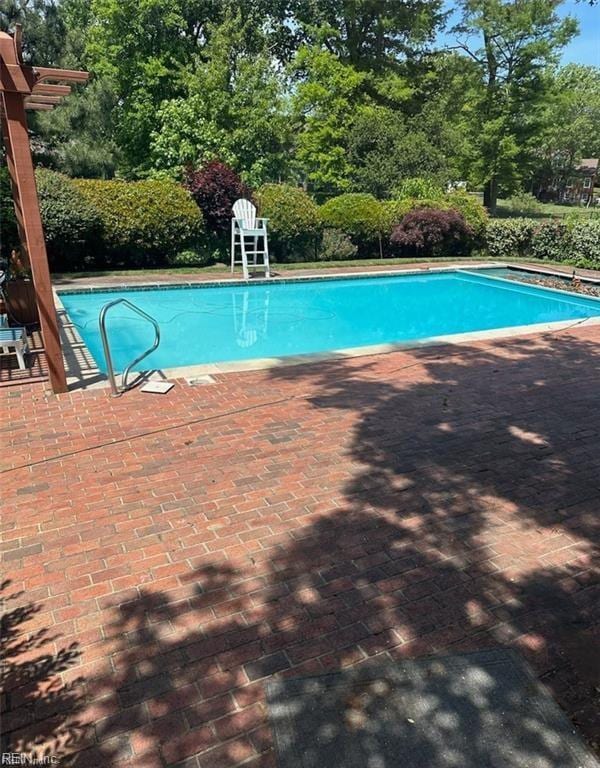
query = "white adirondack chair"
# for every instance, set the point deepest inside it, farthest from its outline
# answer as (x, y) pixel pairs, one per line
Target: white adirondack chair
(245, 225)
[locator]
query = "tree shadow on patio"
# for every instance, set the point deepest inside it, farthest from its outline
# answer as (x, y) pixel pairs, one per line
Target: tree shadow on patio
(39, 711)
(468, 519)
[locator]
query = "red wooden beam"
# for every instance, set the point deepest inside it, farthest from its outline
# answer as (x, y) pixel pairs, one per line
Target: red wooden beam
(68, 75)
(36, 98)
(43, 89)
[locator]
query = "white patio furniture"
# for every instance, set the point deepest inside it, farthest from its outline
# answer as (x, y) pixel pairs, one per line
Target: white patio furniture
(248, 239)
(13, 341)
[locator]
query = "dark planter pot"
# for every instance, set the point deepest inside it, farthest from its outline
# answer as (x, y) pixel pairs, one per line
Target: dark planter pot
(21, 301)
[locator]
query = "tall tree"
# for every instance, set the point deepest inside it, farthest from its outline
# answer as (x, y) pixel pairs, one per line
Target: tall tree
(368, 34)
(324, 107)
(233, 110)
(513, 42)
(571, 126)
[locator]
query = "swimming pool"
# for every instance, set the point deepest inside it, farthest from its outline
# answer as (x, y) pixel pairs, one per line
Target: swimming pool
(234, 322)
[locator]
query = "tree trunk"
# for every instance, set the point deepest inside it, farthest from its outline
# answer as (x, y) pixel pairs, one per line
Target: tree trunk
(490, 195)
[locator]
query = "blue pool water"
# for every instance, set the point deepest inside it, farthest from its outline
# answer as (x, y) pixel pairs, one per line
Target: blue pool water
(242, 322)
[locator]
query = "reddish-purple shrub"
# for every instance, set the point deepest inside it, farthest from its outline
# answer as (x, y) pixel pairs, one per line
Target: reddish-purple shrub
(215, 187)
(432, 232)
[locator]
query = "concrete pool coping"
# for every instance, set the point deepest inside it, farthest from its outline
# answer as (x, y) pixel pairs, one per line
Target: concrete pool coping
(82, 371)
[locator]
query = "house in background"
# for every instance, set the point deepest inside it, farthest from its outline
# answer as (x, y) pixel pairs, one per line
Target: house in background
(579, 188)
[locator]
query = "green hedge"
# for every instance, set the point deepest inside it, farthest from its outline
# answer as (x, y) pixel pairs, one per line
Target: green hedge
(144, 223)
(72, 226)
(93, 223)
(357, 214)
(574, 242)
(294, 221)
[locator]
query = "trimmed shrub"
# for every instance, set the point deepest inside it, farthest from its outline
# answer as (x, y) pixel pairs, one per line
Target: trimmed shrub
(432, 232)
(360, 216)
(336, 246)
(294, 221)
(355, 213)
(144, 223)
(215, 188)
(72, 225)
(573, 242)
(508, 238)
(584, 244)
(548, 240)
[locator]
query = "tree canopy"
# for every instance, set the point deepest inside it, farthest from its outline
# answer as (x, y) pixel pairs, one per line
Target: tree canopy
(335, 95)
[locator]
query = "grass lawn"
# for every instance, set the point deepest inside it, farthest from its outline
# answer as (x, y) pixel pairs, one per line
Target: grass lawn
(302, 265)
(549, 211)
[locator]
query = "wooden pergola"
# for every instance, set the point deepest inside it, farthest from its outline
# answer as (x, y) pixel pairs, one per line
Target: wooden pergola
(22, 88)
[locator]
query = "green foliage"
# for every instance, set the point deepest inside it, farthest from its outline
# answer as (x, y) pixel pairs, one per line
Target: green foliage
(576, 242)
(192, 258)
(549, 241)
(419, 188)
(232, 111)
(336, 246)
(393, 211)
(572, 116)
(9, 237)
(333, 95)
(524, 204)
(78, 138)
(145, 222)
(71, 223)
(475, 214)
(374, 35)
(136, 46)
(294, 221)
(324, 106)
(584, 243)
(512, 44)
(508, 238)
(357, 214)
(385, 149)
(44, 25)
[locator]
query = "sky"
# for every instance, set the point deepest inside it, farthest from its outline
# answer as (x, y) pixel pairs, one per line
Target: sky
(585, 48)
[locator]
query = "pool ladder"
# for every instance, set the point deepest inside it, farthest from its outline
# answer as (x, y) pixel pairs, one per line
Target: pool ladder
(115, 388)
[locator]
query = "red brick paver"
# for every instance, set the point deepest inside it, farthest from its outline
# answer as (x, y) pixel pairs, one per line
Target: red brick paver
(165, 556)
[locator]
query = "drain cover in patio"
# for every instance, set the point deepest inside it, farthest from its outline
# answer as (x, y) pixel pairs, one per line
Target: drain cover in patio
(476, 710)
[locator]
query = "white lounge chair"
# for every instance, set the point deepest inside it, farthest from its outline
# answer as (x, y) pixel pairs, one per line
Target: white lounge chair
(244, 225)
(13, 341)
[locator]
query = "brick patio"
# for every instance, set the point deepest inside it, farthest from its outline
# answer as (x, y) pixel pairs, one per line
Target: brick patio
(165, 556)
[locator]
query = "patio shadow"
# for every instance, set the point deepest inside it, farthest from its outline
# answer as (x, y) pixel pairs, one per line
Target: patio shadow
(39, 711)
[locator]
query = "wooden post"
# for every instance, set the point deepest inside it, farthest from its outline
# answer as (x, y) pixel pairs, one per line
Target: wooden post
(25, 87)
(20, 165)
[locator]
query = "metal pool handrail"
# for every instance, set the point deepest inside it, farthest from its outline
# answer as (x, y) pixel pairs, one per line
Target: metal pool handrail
(116, 390)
